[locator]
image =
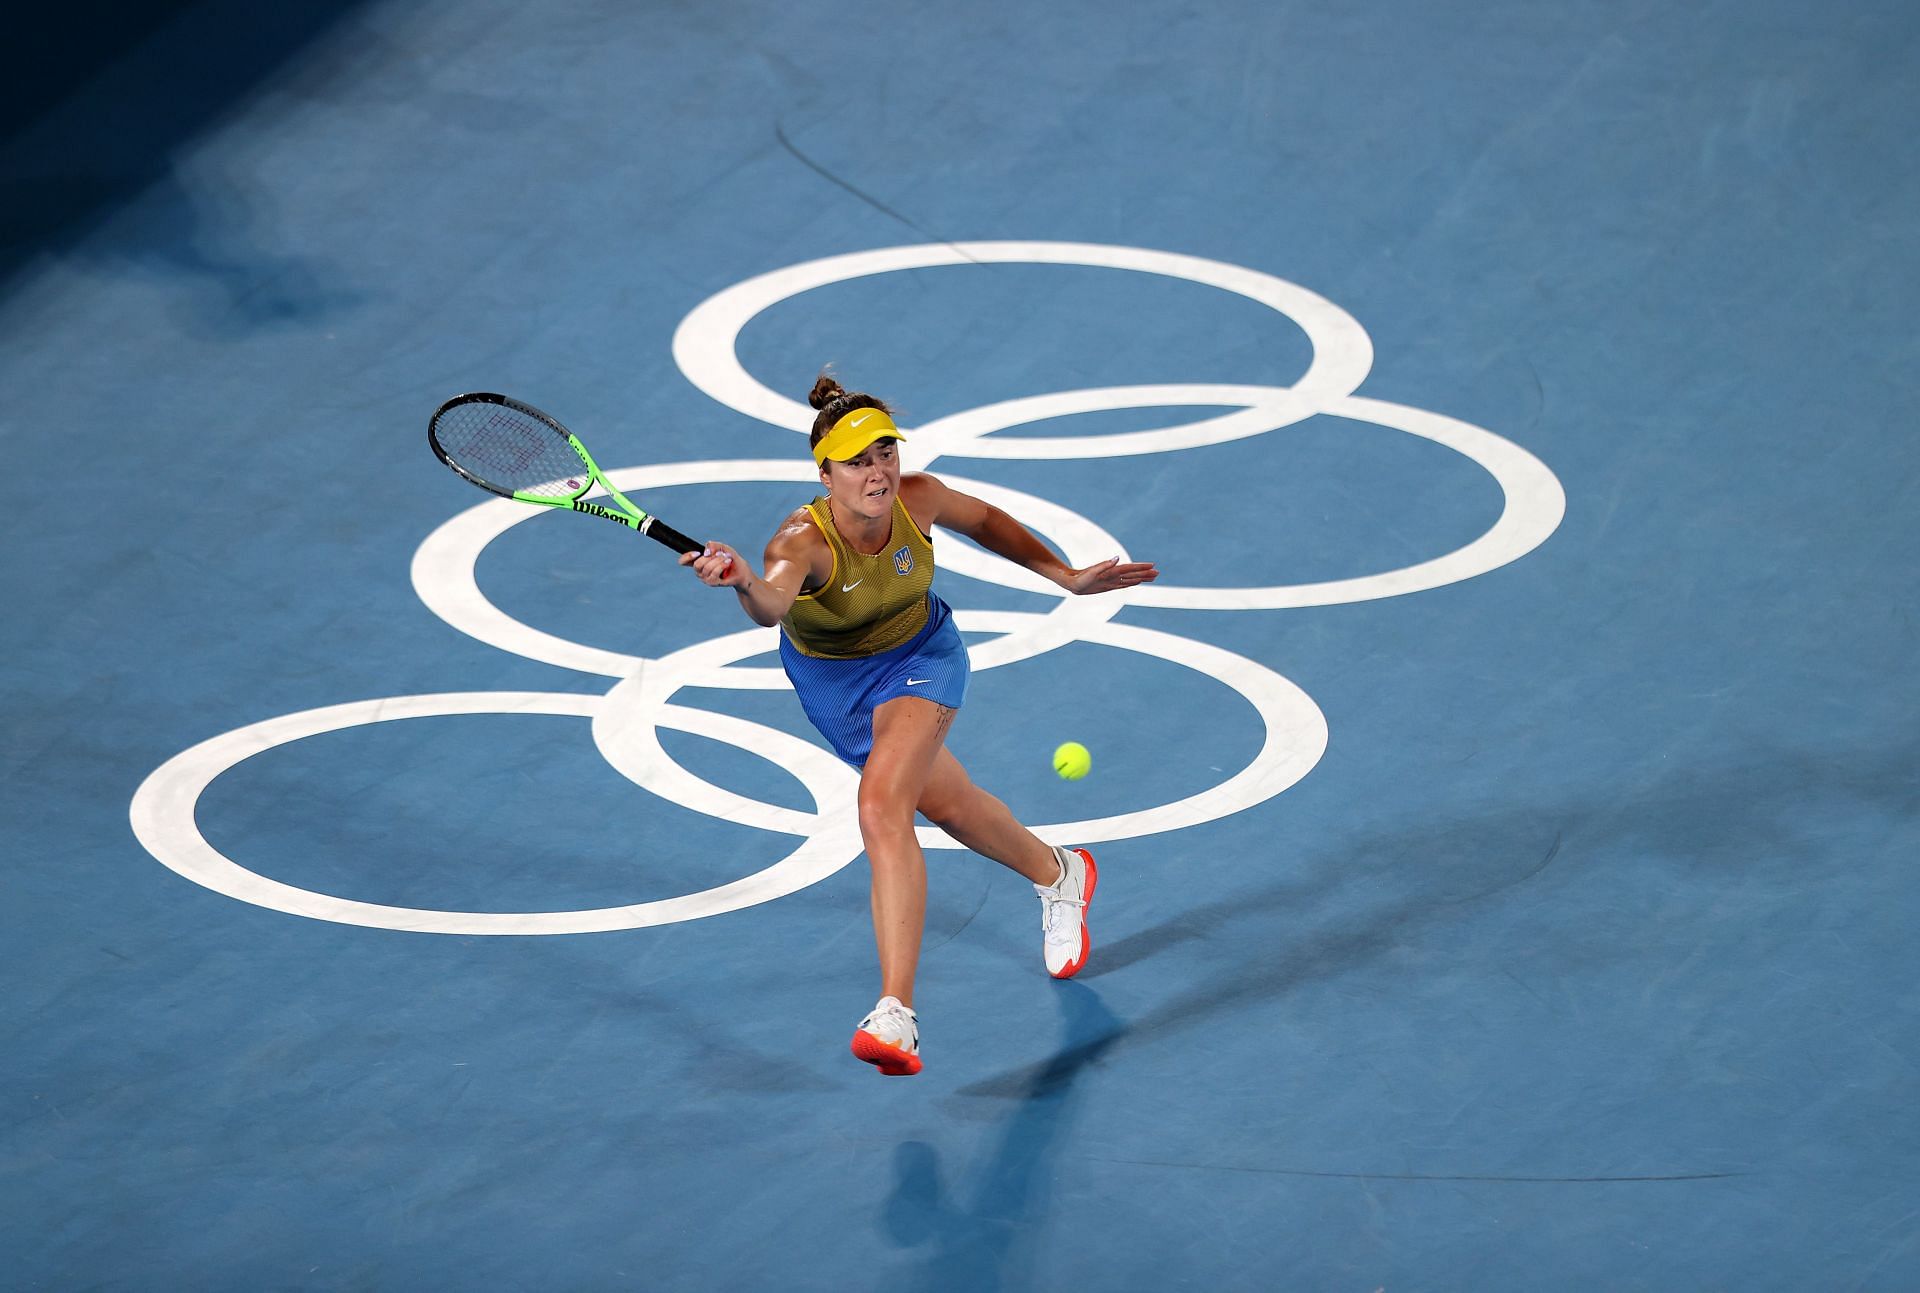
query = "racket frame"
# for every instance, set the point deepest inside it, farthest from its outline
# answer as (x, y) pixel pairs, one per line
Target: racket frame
(629, 514)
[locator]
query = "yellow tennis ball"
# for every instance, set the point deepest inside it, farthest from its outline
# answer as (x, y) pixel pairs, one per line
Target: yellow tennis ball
(1072, 761)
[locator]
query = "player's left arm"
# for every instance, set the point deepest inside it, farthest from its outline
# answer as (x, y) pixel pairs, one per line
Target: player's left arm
(932, 502)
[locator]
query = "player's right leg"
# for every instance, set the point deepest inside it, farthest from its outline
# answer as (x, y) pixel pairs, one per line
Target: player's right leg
(907, 732)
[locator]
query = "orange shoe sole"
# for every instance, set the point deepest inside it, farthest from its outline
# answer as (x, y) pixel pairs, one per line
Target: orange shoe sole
(1079, 962)
(890, 1060)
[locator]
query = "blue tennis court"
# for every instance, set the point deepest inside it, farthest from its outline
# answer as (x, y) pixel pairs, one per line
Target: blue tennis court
(1505, 801)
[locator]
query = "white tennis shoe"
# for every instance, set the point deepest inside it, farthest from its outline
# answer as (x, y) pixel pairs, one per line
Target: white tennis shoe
(1063, 913)
(889, 1038)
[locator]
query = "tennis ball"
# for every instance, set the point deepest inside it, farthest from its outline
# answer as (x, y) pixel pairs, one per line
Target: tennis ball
(1072, 761)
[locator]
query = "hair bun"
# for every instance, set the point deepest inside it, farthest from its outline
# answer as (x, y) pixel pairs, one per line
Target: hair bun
(825, 392)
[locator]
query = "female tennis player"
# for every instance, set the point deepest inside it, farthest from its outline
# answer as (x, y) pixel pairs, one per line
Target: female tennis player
(880, 669)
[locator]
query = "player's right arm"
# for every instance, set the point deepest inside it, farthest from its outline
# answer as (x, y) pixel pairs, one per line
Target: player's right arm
(796, 559)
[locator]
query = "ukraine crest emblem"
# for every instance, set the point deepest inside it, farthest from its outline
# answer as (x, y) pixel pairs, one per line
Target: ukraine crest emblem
(903, 560)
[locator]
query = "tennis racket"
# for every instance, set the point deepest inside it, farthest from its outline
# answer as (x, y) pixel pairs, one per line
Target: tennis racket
(516, 451)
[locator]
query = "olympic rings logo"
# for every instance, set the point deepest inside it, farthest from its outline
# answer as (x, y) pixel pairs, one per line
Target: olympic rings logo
(625, 721)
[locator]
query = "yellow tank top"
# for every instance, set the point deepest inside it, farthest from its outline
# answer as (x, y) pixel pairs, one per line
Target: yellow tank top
(869, 604)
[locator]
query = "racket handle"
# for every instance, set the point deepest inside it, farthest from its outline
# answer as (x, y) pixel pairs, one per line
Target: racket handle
(655, 528)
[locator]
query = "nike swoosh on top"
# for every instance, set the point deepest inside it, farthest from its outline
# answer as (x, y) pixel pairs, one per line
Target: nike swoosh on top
(847, 588)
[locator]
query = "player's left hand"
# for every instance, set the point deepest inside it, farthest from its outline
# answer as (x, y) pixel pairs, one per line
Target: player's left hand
(1105, 576)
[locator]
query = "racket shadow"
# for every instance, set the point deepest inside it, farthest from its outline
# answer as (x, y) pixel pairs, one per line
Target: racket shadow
(705, 1054)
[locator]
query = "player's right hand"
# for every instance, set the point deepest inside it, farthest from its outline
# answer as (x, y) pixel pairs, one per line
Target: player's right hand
(717, 565)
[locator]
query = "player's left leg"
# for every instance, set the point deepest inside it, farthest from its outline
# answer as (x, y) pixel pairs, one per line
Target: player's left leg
(1064, 878)
(982, 823)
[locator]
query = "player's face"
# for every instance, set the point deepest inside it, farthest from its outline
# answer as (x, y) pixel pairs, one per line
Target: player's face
(866, 484)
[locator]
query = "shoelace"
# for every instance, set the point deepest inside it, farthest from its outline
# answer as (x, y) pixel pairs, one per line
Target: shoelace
(1058, 915)
(893, 1025)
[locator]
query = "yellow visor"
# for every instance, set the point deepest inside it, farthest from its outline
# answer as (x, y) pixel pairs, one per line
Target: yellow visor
(852, 434)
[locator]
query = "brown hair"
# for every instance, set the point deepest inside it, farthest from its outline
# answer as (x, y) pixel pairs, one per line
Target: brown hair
(834, 402)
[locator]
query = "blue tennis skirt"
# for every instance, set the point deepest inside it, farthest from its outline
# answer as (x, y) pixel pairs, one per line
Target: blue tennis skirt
(840, 696)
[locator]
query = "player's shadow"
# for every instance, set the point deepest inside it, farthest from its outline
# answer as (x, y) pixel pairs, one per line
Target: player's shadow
(974, 1231)
(1767, 822)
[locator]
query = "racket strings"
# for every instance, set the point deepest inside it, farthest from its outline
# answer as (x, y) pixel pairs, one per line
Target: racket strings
(509, 449)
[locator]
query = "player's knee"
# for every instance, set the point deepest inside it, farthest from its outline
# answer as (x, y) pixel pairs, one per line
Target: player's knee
(938, 808)
(883, 812)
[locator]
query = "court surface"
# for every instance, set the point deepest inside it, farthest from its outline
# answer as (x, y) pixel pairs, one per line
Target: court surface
(1506, 801)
